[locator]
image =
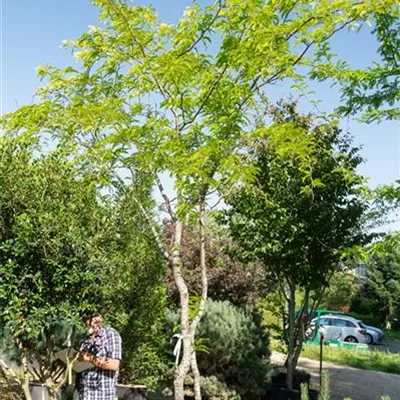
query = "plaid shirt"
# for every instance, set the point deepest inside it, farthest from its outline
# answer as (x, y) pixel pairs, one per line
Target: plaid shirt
(97, 383)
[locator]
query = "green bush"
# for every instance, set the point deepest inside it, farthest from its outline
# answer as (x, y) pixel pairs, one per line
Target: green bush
(237, 349)
(214, 389)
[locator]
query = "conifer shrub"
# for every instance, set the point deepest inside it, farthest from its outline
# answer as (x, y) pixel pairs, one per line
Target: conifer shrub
(233, 348)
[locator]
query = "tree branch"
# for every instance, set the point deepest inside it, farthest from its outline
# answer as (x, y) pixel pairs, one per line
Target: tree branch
(165, 197)
(203, 32)
(208, 95)
(164, 92)
(9, 372)
(147, 217)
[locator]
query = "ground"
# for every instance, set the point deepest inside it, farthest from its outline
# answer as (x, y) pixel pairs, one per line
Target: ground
(350, 382)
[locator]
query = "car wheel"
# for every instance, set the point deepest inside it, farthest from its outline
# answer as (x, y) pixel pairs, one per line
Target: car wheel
(370, 339)
(351, 339)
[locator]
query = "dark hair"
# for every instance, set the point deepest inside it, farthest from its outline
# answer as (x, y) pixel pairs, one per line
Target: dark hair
(89, 317)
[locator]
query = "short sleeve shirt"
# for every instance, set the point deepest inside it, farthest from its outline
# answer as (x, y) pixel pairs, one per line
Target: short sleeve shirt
(97, 383)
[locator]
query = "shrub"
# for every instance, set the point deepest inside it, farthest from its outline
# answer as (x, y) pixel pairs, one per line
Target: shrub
(214, 389)
(237, 348)
(238, 351)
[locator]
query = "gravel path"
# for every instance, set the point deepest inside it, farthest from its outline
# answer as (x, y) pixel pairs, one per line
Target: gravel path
(349, 382)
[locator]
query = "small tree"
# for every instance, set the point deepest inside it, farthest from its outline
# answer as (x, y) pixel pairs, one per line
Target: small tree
(49, 274)
(303, 210)
(381, 290)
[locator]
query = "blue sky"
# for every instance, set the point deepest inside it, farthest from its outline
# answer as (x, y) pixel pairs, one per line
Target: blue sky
(32, 31)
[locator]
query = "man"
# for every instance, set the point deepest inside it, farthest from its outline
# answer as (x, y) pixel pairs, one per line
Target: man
(102, 348)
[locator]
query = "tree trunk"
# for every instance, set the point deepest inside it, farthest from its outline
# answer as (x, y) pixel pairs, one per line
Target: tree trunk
(26, 382)
(176, 263)
(25, 388)
(204, 292)
(196, 375)
(291, 344)
(183, 369)
(301, 331)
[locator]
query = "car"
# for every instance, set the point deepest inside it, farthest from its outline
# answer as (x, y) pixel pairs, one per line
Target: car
(374, 335)
(340, 327)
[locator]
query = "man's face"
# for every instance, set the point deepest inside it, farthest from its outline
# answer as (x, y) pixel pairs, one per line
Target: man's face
(93, 326)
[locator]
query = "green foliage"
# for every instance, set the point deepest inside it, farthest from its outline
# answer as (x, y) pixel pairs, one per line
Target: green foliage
(272, 308)
(324, 389)
(392, 334)
(136, 288)
(51, 227)
(282, 218)
(381, 290)
(214, 389)
(304, 391)
(183, 95)
(66, 250)
(372, 90)
(376, 91)
(161, 99)
(339, 294)
(237, 349)
(302, 212)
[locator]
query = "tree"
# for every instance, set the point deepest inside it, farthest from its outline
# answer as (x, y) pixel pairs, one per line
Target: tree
(340, 293)
(50, 272)
(228, 278)
(156, 98)
(301, 213)
(381, 290)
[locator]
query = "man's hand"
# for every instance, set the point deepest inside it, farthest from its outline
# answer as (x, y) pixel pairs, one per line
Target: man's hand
(100, 362)
(86, 357)
(108, 364)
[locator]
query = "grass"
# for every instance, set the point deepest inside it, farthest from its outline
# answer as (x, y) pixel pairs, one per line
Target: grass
(392, 334)
(374, 360)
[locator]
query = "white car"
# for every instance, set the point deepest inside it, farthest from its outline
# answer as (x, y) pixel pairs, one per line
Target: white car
(341, 327)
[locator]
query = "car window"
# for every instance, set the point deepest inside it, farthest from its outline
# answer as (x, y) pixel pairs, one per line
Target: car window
(350, 324)
(362, 325)
(339, 322)
(325, 321)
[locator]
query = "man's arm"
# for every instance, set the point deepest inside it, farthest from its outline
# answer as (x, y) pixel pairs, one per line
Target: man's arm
(109, 364)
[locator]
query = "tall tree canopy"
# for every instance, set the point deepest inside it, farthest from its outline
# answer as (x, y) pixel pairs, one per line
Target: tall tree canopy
(303, 210)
